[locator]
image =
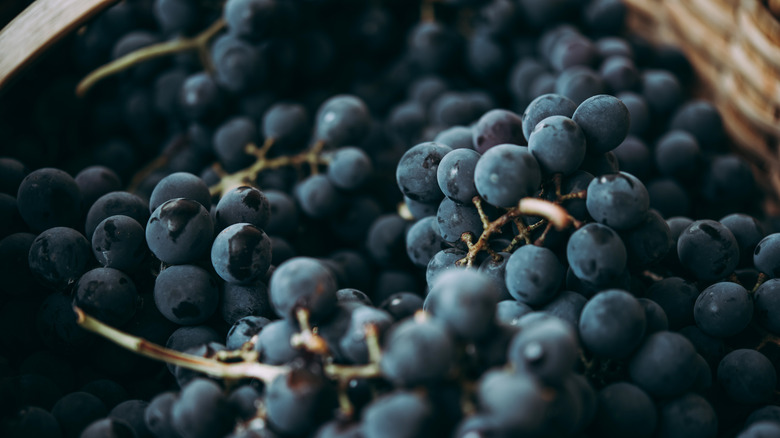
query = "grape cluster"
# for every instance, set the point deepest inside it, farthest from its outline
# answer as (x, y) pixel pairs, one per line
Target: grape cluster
(466, 218)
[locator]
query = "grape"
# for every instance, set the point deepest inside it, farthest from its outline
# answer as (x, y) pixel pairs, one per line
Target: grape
(638, 111)
(760, 430)
(241, 253)
(578, 83)
(113, 204)
(180, 185)
(748, 232)
(433, 46)
(386, 240)
(619, 200)
(619, 74)
(456, 137)
(274, 343)
(398, 414)
(201, 410)
(33, 422)
(509, 312)
(677, 298)
(417, 353)
(571, 50)
(505, 174)
(533, 275)
(648, 242)
(244, 329)
(558, 145)
(454, 219)
(283, 219)
(625, 410)
(186, 294)
(255, 19)
(665, 365)
(497, 127)
(157, 416)
(767, 413)
(604, 120)
(668, 197)
(238, 65)
(465, 301)
(455, 175)
(708, 249)
(612, 324)
(132, 413)
(200, 98)
(353, 344)
(342, 120)
(567, 306)
(75, 411)
(701, 119)
(118, 242)
(417, 170)
(596, 254)
(661, 90)
(230, 141)
(179, 231)
(298, 402)
(514, 401)
(547, 350)
(107, 294)
(420, 210)
(747, 376)
(302, 282)
(423, 241)
(723, 309)
(318, 197)
(349, 168)
(765, 255)
(402, 305)
(677, 154)
(544, 106)
(766, 300)
(287, 124)
(406, 122)
(94, 182)
(49, 198)
(59, 256)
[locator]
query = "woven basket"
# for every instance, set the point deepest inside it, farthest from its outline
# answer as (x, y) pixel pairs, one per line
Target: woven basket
(734, 46)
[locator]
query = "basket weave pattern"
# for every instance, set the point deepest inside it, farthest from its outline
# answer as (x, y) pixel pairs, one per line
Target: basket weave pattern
(734, 45)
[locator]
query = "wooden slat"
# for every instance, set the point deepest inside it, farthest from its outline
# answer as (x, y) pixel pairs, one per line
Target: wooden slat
(39, 26)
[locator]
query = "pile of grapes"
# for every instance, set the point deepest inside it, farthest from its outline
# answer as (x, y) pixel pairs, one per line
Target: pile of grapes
(338, 218)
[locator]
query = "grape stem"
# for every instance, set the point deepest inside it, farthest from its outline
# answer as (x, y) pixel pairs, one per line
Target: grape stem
(199, 42)
(213, 367)
(307, 338)
(345, 373)
(553, 213)
(312, 156)
(759, 281)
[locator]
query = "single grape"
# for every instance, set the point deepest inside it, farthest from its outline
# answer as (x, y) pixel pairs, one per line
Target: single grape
(664, 365)
(612, 324)
(505, 174)
(558, 144)
(619, 200)
(747, 376)
(533, 275)
(179, 231)
(723, 309)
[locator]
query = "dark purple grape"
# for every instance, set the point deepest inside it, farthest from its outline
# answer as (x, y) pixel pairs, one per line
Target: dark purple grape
(747, 377)
(708, 250)
(274, 343)
(677, 154)
(596, 254)
(353, 344)
(454, 219)
(179, 231)
(244, 329)
(416, 172)
(766, 300)
(186, 294)
(677, 298)
(201, 410)
(405, 413)
(747, 230)
(59, 256)
(723, 309)
(455, 175)
(132, 413)
(665, 365)
(505, 174)
(303, 282)
(465, 301)
(49, 198)
(533, 275)
(558, 144)
(579, 83)
(687, 416)
(765, 256)
(116, 203)
(298, 402)
(119, 242)
(497, 127)
(417, 352)
(547, 350)
(230, 141)
(318, 197)
(349, 168)
(94, 182)
(385, 240)
(700, 118)
(566, 306)
(456, 137)
(402, 305)
(514, 401)
(238, 65)
(612, 324)
(287, 124)
(637, 110)
(157, 416)
(342, 120)
(662, 91)
(509, 312)
(239, 301)
(619, 74)
(618, 200)
(423, 241)
(571, 50)
(544, 106)
(669, 198)
(75, 411)
(180, 185)
(648, 242)
(200, 98)
(434, 47)
(283, 218)
(107, 294)
(241, 253)
(624, 410)
(254, 20)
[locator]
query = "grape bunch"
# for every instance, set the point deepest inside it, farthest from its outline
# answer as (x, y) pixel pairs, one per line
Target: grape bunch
(412, 218)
